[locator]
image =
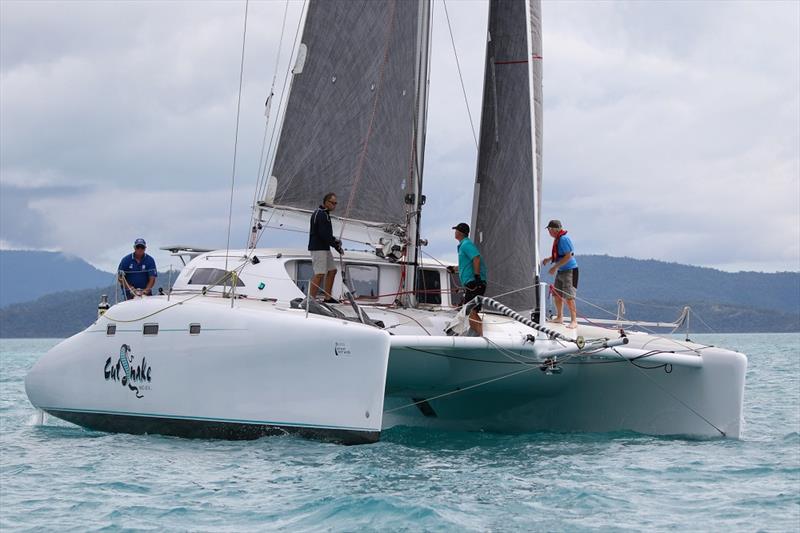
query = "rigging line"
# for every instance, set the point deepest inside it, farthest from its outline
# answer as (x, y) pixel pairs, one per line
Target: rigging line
(378, 92)
(510, 354)
(281, 115)
(460, 77)
(650, 331)
(530, 368)
(268, 104)
(469, 359)
(657, 384)
(655, 306)
(272, 150)
(236, 135)
(410, 317)
(703, 321)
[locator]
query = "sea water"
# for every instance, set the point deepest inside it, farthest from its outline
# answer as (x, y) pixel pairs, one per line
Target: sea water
(54, 475)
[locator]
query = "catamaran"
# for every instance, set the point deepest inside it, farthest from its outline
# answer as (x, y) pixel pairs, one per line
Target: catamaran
(236, 349)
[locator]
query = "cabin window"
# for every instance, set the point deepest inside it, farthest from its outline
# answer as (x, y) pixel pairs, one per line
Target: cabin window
(429, 286)
(363, 281)
(213, 276)
(150, 329)
(455, 286)
(303, 274)
(194, 329)
(111, 329)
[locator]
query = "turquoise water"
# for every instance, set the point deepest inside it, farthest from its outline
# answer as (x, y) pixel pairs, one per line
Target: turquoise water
(58, 476)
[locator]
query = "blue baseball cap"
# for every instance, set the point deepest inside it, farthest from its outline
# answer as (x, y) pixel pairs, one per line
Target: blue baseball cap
(139, 242)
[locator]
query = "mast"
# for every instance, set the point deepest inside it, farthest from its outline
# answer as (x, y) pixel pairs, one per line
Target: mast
(418, 158)
(534, 25)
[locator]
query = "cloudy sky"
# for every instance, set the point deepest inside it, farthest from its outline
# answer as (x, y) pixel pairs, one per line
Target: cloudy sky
(672, 129)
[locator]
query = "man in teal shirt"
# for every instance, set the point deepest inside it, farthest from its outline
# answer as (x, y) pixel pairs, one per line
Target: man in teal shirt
(471, 272)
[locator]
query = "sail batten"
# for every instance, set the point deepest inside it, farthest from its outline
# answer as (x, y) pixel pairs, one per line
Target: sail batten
(506, 203)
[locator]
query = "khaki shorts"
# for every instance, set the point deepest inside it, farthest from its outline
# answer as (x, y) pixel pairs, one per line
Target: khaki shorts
(565, 284)
(322, 261)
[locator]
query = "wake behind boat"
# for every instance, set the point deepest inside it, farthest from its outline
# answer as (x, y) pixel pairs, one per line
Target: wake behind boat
(237, 349)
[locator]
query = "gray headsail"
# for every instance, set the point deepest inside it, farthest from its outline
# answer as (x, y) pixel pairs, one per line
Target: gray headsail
(352, 121)
(507, 203)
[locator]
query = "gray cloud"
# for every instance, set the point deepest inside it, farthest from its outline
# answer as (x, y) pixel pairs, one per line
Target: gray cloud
(671, 129)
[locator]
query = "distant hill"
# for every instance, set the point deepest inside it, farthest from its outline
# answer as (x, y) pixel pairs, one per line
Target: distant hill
(605, 278)
(651, 290)
(60, 314)
(27, 275)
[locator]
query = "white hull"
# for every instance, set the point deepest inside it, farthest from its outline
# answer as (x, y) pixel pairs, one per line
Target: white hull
(245, 375)
(592, 394)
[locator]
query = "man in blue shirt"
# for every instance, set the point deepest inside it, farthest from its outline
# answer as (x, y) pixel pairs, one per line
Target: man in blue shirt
(471, 272)
(565, 268)
(137, 271)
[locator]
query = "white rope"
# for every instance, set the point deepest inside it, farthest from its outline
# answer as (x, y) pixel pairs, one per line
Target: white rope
(236, 135)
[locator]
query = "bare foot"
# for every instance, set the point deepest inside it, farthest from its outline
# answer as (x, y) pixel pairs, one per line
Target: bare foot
(556, 320)
(572, 325)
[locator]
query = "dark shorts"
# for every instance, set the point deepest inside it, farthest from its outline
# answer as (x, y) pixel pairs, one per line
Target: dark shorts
(470, 294)
(566, 283)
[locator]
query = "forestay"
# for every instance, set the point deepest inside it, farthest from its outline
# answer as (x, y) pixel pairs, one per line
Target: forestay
(507, 203)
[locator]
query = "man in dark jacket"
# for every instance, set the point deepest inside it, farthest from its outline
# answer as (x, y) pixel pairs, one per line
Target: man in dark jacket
(320, 241)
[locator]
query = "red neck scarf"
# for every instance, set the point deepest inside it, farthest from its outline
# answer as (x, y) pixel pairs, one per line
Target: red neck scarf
(554, 255)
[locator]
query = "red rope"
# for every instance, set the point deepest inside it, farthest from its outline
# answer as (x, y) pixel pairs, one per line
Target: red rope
(518, 61)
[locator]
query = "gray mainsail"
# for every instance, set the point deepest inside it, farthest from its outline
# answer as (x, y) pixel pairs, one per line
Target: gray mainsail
(507, 203)
(352, 121)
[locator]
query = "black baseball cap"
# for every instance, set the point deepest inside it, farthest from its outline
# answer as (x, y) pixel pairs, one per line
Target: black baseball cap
(463, 227)
(555, 224)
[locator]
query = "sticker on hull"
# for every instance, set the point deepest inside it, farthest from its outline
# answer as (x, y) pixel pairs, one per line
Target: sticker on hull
(137, 378)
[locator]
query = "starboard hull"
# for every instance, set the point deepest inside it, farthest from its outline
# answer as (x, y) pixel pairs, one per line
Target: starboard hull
(698, 396)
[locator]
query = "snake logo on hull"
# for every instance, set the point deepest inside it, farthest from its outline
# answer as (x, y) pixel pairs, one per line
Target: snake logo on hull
(136, 378)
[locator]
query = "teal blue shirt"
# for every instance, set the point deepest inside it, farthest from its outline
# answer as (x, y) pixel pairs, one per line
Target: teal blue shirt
(467, 251)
